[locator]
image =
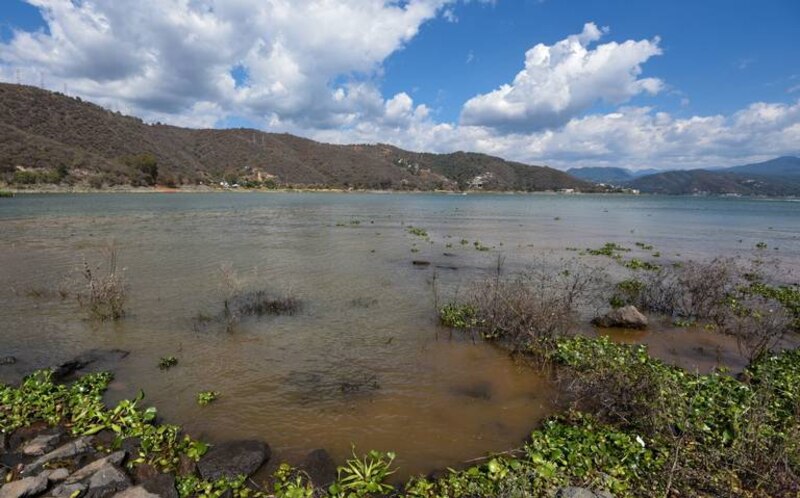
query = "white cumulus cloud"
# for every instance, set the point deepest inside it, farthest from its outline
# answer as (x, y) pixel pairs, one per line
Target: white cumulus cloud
(562, 80)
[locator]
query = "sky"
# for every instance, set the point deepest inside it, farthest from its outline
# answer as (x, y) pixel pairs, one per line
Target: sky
(566, 83)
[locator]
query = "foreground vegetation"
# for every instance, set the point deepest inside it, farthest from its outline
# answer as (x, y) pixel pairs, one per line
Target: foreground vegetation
(655, 430)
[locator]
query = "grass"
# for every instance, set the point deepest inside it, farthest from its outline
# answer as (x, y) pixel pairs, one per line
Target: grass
(6, 193)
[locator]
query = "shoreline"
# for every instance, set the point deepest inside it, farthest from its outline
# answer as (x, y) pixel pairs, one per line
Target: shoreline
(214, 190)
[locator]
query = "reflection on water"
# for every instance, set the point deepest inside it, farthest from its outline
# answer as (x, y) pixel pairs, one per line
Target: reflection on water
(364, 362)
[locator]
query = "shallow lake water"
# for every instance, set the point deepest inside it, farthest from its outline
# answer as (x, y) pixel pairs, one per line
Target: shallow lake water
(363, 363)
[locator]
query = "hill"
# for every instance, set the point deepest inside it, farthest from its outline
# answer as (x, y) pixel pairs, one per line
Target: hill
(609, 175)
(700, 181)
(48, 137)
(787, 166)
(614, 176)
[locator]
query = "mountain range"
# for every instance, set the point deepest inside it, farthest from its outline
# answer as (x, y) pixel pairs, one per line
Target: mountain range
(47, 137)
(776, 177)
(50, 138)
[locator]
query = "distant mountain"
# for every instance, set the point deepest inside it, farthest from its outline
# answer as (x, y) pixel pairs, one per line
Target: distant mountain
(48, 137)
(614, 176)
(787, 166)
(700, 181)
(609, 175)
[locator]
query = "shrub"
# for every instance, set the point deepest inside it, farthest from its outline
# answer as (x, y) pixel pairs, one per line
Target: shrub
(537, 305)
(105, 293)
(720, 434)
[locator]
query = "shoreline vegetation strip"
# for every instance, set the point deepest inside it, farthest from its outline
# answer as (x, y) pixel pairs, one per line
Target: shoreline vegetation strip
(663, 432)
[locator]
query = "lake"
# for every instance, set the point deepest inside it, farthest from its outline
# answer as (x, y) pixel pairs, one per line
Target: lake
(363, 362)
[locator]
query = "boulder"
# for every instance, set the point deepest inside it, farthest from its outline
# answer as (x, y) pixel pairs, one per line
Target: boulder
(7, 360)
(56, 475)
(73, 448)
(320, 468)
(90, 361)
(42, 443)
(162, 485)
(94, 467)
(107, 481)
(136, 492)
(233, 458)
(627, 317)
(68, 490)
(29, 486)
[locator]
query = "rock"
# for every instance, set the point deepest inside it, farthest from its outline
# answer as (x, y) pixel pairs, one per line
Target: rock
(92, 360)
(136, 492)
(56, 475)
(575, 492)
(17, 438)
(42, 443)
(3, 442)
(446, 267)
(627, 317)
(69, 450)
(144, 472)
(7, 360)
(115, 458)
(186, 466)
(68, 490)
(320, 468)
(29, 486)
(481, 390)
(233, 458)
(419, 262)
(162, 485)
(107, 481)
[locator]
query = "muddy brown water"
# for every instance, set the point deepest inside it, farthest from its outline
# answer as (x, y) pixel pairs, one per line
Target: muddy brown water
(363, 363)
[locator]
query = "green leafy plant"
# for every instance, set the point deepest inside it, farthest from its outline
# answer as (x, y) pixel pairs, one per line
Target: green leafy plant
(364, 477)
(419, 232)
(206, 397)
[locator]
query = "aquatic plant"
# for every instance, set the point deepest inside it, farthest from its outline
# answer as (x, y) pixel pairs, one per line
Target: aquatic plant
(464, 242)
(610, 249)
(643, 246)
(364, 477)
(6, 193)
(479, 246)
(206, 397)
(761, 245)
(167, 362)
(637, 264)
(419, 232)
(79, 407)
(458, 316)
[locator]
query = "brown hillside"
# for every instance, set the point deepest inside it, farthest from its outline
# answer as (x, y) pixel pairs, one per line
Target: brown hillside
(48, 137)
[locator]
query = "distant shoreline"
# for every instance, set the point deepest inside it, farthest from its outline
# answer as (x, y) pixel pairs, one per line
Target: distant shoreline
(204, 189)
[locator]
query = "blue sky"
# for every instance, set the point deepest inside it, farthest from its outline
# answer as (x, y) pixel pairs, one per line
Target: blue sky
(614, 83)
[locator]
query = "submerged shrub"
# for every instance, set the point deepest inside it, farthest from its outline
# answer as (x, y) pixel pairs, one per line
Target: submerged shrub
(261, 302)
(105, 292)
(539, 304)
